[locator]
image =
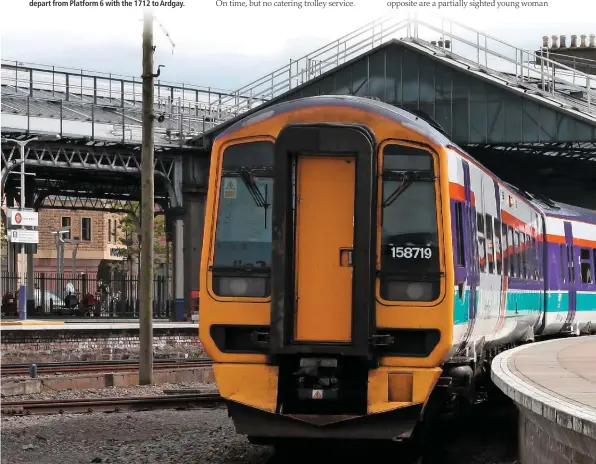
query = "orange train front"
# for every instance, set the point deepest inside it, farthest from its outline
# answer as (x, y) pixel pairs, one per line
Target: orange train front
(332, 301)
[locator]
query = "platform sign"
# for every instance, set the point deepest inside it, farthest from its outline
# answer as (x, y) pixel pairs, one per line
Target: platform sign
(23, 218)
(23, 236)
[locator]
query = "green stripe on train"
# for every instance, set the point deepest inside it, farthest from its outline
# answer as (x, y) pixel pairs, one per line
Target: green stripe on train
(528, 301)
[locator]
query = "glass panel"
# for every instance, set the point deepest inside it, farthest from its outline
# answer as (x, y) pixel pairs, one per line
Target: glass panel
(478, 122)
(427, 81)
(360, 78)
(513, 120)
(243, 237)
(377, 75)
(410, 78)
(489, 244)
(409, 247)
(495, 121)
(584, 132)
(343, 82)
(531, 116)
(393, 77)
(459, 233)
(548, 125)
(442, 84)
(460, 122)
(326, 86)
(443, 116)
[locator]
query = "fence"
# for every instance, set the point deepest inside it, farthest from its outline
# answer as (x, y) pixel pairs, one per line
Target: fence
(85, 295)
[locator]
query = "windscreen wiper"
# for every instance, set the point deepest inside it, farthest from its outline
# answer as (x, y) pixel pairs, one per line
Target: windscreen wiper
(407, 178)
(255, 191)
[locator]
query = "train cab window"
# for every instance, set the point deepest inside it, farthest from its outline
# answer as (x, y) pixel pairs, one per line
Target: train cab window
(505, 250)
(490, 252)
(481, 242)
(410, 265)
(242, 252)
(459, 235)
(586, 266)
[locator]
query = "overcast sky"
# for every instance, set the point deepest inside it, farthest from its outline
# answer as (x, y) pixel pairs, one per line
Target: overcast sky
(227, 47)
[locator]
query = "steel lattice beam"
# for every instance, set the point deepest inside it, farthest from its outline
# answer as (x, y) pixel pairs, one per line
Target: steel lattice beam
(93, 204)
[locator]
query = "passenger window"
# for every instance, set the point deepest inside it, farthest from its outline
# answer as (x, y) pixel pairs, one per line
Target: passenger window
(570, 264)
(505, 250)
(498, 250)
(563, 273)
(489, 244)
(512, 256)
(586, 266)
(523, 252)
(517, 252)
(459, 231)
(481, 242)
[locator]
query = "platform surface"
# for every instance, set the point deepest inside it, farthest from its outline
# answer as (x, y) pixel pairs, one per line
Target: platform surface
(555, 378)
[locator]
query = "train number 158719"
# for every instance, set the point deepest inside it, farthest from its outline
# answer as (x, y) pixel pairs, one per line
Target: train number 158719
(411, 252)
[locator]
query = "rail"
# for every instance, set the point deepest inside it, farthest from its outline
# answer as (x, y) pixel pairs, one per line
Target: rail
(88, 405)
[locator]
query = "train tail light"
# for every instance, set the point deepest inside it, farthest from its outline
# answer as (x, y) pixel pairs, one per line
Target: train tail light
(255, 287)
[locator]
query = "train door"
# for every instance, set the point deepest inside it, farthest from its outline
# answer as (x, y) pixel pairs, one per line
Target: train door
(570, 275)
(324, 242)
(473, 275)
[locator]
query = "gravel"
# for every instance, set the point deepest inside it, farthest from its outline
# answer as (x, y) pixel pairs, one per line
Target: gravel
(208, 436)
(156, 437)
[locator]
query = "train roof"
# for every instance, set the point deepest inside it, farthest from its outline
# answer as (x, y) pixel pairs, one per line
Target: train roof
(570, 212)
(404, 117)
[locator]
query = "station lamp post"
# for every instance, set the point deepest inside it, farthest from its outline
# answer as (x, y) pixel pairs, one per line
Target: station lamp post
(21, 163)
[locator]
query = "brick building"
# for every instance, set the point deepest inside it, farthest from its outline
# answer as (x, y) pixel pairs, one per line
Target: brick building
(99, 234)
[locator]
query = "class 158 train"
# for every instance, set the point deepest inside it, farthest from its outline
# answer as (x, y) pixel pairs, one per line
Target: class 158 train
(359, 269)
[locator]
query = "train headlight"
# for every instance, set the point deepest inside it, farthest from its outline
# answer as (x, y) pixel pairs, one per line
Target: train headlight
(241, 286)
(412, 291)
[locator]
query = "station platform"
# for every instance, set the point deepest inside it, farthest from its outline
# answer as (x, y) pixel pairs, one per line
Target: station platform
(553, 383)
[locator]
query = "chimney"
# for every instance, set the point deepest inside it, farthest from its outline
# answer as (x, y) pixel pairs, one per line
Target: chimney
(592, 44)
(583, 44)
(563, 44)
(573, 41)
(555, 38)
(545, 41)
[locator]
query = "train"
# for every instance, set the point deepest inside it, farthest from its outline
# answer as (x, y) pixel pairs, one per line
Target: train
(360, 271)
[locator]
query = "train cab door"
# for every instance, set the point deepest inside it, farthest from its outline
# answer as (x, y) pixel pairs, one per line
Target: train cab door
(323, 269)
(324, 247)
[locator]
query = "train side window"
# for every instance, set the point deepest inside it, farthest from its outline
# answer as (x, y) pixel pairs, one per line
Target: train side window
(505, 250)
(563, 274)
(490, 251)
(481, 242)
(586, 266)
(517, 254)
(523, 271)
(570, 264)
(459, 230)
(529, 261)
(511, 251)
(536, 257)
(498, 248)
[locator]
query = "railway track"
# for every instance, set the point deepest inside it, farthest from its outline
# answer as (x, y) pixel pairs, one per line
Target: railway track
(99, 366)
(89, 405)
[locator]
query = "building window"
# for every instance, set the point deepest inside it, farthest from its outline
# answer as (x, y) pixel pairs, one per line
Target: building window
(66, 223)
(86, 229)
(112, 226)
